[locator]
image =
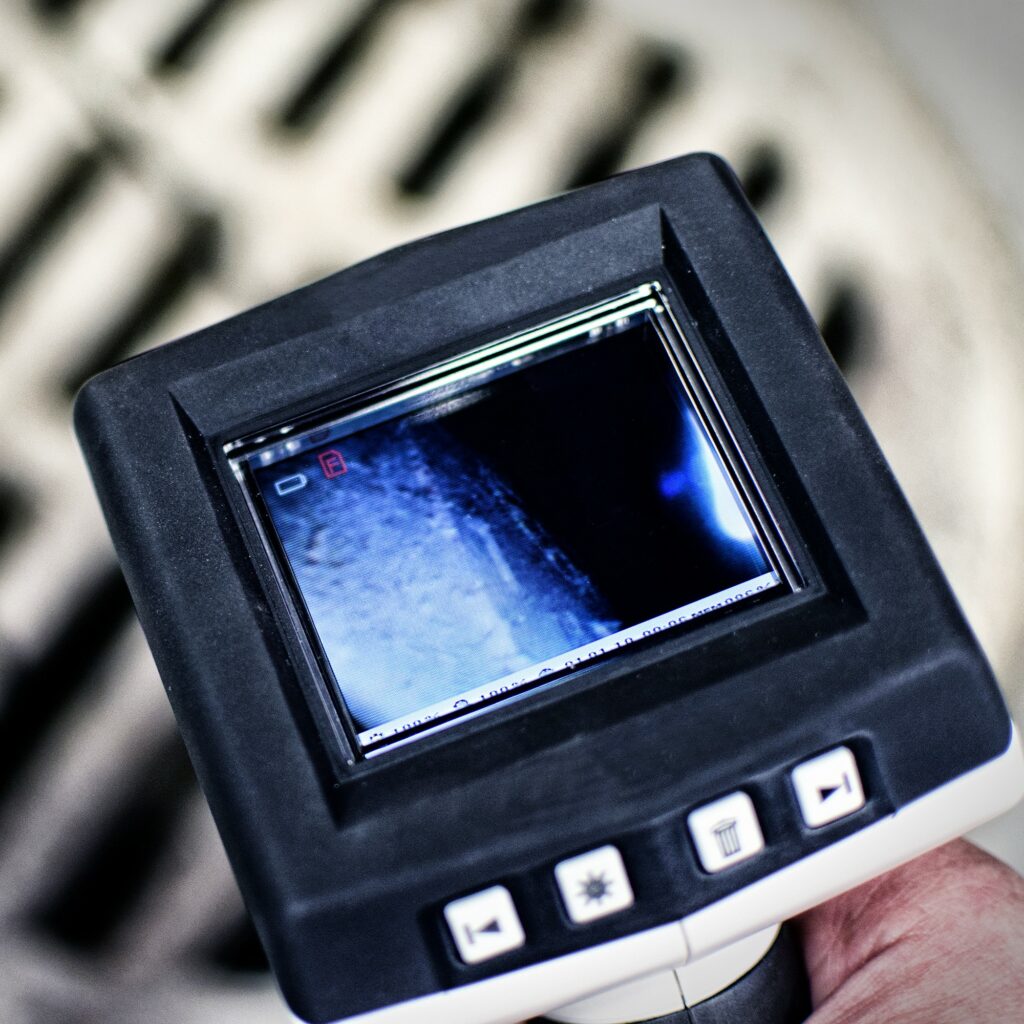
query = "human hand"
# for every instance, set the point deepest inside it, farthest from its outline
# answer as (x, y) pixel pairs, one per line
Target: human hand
(938, 940)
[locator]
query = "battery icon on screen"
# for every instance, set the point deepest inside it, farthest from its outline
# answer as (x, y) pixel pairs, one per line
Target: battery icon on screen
(287, 484)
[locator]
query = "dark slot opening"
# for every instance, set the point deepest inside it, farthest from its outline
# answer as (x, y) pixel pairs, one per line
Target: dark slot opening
(193, 256)
(39, 692)
(109, 877)
(312, 98)
(239, 950)
(182, 48)
(540, 16)
(846, 325)
(56, 8)
(467, 114)
(475, 103)
(13, 511)
(72, 186)
(657, 75)
(762, 175)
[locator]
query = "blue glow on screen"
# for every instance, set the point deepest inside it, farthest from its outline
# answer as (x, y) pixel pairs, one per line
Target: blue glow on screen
(701, 477)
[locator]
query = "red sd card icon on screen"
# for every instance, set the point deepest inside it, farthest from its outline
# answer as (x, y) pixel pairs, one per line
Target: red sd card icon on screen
(332, 462)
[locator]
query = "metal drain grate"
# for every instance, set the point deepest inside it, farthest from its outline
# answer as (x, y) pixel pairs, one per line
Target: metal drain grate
(164, 165)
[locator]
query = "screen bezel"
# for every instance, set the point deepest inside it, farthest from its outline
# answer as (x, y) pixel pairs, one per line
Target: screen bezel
(402, 396)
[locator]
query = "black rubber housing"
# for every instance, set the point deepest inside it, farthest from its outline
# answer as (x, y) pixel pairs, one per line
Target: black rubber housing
(776, 991)
(346, 864)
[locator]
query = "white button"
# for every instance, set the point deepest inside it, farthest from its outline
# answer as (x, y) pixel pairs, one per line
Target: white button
(485, 924)
(726, 832)
(828, 787)
(594, 884)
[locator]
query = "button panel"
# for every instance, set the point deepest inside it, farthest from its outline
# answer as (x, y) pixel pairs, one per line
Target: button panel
(594, 885)
(726, 832)
(484, 925)
(828, 787)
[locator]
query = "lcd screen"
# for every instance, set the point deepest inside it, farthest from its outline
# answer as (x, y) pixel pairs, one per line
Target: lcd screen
(472, 539)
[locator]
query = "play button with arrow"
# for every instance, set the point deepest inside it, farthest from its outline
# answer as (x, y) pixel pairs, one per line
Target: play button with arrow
(828, 787)
(824, 792)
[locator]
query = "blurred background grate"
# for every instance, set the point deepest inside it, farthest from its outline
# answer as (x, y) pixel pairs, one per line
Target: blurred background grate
(166, 165)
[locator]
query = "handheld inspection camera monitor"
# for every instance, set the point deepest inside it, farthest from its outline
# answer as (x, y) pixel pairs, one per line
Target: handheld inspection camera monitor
(540, 614)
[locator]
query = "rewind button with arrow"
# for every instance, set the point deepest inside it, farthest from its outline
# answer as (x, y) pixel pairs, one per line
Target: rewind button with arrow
(484, 925)
(493, 927)
(828, 787)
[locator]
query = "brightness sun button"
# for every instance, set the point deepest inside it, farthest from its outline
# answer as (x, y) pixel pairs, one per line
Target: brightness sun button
(595, 888)
(594, 885)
